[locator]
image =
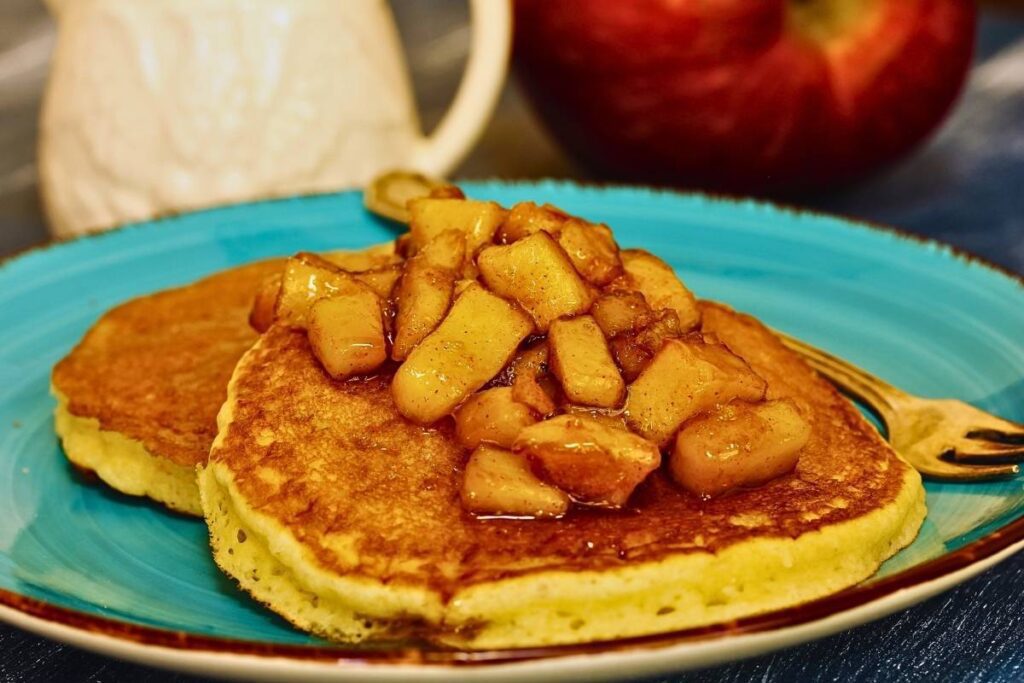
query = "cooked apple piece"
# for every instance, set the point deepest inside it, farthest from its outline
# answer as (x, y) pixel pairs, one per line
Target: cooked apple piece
(592, 250)
(491, 416)
(261, 316)
(581, 361)
(470, 346)
(477, 220)
(424, 296)
(446, 192)
(592, 462)
(499, 482)
(306, 279)
(346, 334)
(537, 274)
(610, 418)
(685, 378)
(633, 350)
(659, 284)
(631, 356)
(737, 445)
(531, 383)
(526, 218)
(536, 392)
(377, 256)
(621, 311)
(446, 250)
(380, 280)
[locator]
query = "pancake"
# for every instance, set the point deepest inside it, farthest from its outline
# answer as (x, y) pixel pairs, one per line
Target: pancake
(137, 398)
(334, 511)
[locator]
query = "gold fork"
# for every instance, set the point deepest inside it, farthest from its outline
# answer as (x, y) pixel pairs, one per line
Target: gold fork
(942, 439)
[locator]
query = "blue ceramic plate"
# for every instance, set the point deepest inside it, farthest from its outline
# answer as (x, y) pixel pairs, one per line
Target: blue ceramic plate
(84, 564)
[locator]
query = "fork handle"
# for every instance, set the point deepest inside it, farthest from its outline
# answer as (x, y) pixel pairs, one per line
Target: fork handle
(878, 394)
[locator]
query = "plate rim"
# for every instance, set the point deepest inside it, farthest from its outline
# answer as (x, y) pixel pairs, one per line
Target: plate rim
(855, 605)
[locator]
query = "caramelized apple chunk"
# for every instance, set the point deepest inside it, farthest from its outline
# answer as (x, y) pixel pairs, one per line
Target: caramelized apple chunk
(655, 279)
(592, 250)
(362, 260)
(620, 311)
(610, 418)
(380, 280)
(261, 316)
(447, 250)
(499, 482)
(591, 461)
(526, 218)
(306, 279)
(477, 220)
(530, 381)
(634, 350)
(581, 361)
(470, 346)
(446, 192)
(684, 378)
(537, 274)
(491, 416)
(346, 334)
(423, 298)
(737, 445)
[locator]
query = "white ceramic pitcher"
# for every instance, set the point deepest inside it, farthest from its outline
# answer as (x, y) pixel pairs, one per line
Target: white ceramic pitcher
(159, 106)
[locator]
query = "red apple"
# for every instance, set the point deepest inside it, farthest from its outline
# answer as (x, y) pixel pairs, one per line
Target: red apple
(762, 96)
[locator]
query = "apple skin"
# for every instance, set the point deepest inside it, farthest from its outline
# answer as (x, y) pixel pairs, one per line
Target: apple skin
(732, 95)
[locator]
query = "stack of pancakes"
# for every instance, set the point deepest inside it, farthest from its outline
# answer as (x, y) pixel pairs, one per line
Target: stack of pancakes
(334, 511)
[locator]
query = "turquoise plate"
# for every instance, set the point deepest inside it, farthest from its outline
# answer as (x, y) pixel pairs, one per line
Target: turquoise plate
(120, 575)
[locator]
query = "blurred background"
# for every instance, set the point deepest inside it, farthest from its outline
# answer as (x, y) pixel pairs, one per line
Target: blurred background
(963, 185)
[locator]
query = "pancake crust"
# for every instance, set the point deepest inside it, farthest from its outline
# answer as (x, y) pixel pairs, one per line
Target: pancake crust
(334, 511)
(138, 396)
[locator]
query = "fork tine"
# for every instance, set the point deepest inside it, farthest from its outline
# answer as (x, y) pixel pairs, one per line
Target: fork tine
(988, 451)
(1014, 435)
(945, 470)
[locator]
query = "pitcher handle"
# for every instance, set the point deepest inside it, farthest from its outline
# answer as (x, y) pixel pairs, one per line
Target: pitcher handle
(482, 82)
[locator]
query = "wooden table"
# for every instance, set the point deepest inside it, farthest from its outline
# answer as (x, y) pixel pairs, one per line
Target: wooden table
(966, 188)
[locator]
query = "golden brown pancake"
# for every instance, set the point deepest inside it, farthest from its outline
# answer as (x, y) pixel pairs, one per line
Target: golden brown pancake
(138, 396)
(330, 508)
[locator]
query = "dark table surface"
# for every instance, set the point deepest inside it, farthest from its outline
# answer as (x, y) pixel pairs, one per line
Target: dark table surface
(965, 187)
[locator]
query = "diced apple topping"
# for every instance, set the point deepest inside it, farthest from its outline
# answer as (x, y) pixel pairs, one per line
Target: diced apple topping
(492, 416)
(377, 256)
(531, 383)
(499, 482)
(526, 218)
(738, 445)
(567, 365)
(380, 280)
(471, 345)
(346, 334)
(307, 278)
(478, 220)
(537, 274)
(582, 363)
(261, 317)
(592, 462)
(592, 250)
(621, 311)
(655, 279)
(634, 350)
(609, 418)
(685, 378)
(424, 296)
